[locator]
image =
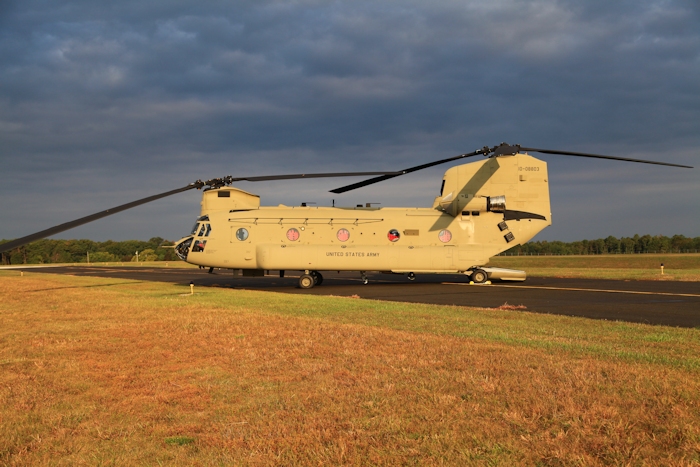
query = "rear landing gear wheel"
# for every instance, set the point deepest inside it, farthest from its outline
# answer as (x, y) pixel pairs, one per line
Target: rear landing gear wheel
(364, 278)
(306, 281)
(479, 276)
(411, 276)
(318, 278)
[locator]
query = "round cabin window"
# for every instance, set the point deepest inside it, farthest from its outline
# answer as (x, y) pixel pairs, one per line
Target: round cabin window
(242, 234)
(393, 235)
(445, 236)
(343, 235)
(292, 235)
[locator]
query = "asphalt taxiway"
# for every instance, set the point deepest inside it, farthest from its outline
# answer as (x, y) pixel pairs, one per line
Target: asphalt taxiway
(652, 302)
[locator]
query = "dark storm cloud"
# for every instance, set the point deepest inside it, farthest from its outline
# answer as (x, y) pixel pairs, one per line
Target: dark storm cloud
(130, 98)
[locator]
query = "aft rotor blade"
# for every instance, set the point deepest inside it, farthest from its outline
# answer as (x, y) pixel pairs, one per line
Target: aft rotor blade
(93, 217)
(598, 156)
(371, 181)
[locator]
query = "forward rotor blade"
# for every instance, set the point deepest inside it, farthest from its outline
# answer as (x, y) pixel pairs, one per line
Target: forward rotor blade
(406, 171)
(319, 175)
(598, 156)
(215, 183)
(93, 217)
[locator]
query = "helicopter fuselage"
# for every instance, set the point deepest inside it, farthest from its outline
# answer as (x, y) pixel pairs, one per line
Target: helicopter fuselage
(484, 208)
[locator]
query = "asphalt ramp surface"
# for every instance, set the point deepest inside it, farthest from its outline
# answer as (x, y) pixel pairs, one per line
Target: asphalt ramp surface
(653, 302)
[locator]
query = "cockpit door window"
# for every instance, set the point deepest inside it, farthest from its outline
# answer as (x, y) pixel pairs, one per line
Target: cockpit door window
(201, 231)
(208, 230)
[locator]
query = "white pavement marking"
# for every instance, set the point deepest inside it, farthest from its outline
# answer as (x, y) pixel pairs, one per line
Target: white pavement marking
(586, 290)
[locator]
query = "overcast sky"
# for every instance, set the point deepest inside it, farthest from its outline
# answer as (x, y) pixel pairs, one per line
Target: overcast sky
(104, 103)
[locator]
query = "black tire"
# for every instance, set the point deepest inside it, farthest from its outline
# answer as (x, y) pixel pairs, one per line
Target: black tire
(318, 278)
(479, 276)
(306, 281)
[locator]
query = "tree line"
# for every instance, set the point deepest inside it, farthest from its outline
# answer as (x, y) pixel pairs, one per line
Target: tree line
(78, 251)
(611, 245)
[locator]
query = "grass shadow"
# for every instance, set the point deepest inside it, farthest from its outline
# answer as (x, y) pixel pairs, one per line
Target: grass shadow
(87, 286)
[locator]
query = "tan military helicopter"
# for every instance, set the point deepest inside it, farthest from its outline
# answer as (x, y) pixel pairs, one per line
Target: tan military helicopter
(484, 208)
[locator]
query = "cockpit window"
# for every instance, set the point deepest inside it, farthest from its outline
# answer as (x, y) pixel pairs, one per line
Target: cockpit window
(194, 228)
(183, 248)
(202, 229)
(208, 230)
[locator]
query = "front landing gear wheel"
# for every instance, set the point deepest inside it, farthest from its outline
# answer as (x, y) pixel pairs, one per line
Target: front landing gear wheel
(363, 276)
(318, 278)
(411, 276)
(479, 276)
(306, 281)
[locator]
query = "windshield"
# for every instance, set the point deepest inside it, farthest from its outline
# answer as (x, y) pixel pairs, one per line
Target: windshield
(204, 228)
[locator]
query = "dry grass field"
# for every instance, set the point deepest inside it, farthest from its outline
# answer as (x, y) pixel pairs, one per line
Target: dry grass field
(679, 267)
(114, 372)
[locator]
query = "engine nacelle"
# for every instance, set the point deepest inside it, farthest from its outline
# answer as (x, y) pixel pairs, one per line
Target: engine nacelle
(468, 202)
(496, 203)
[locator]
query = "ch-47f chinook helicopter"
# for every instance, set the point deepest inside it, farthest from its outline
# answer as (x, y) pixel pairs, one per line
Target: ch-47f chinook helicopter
(484, 208)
